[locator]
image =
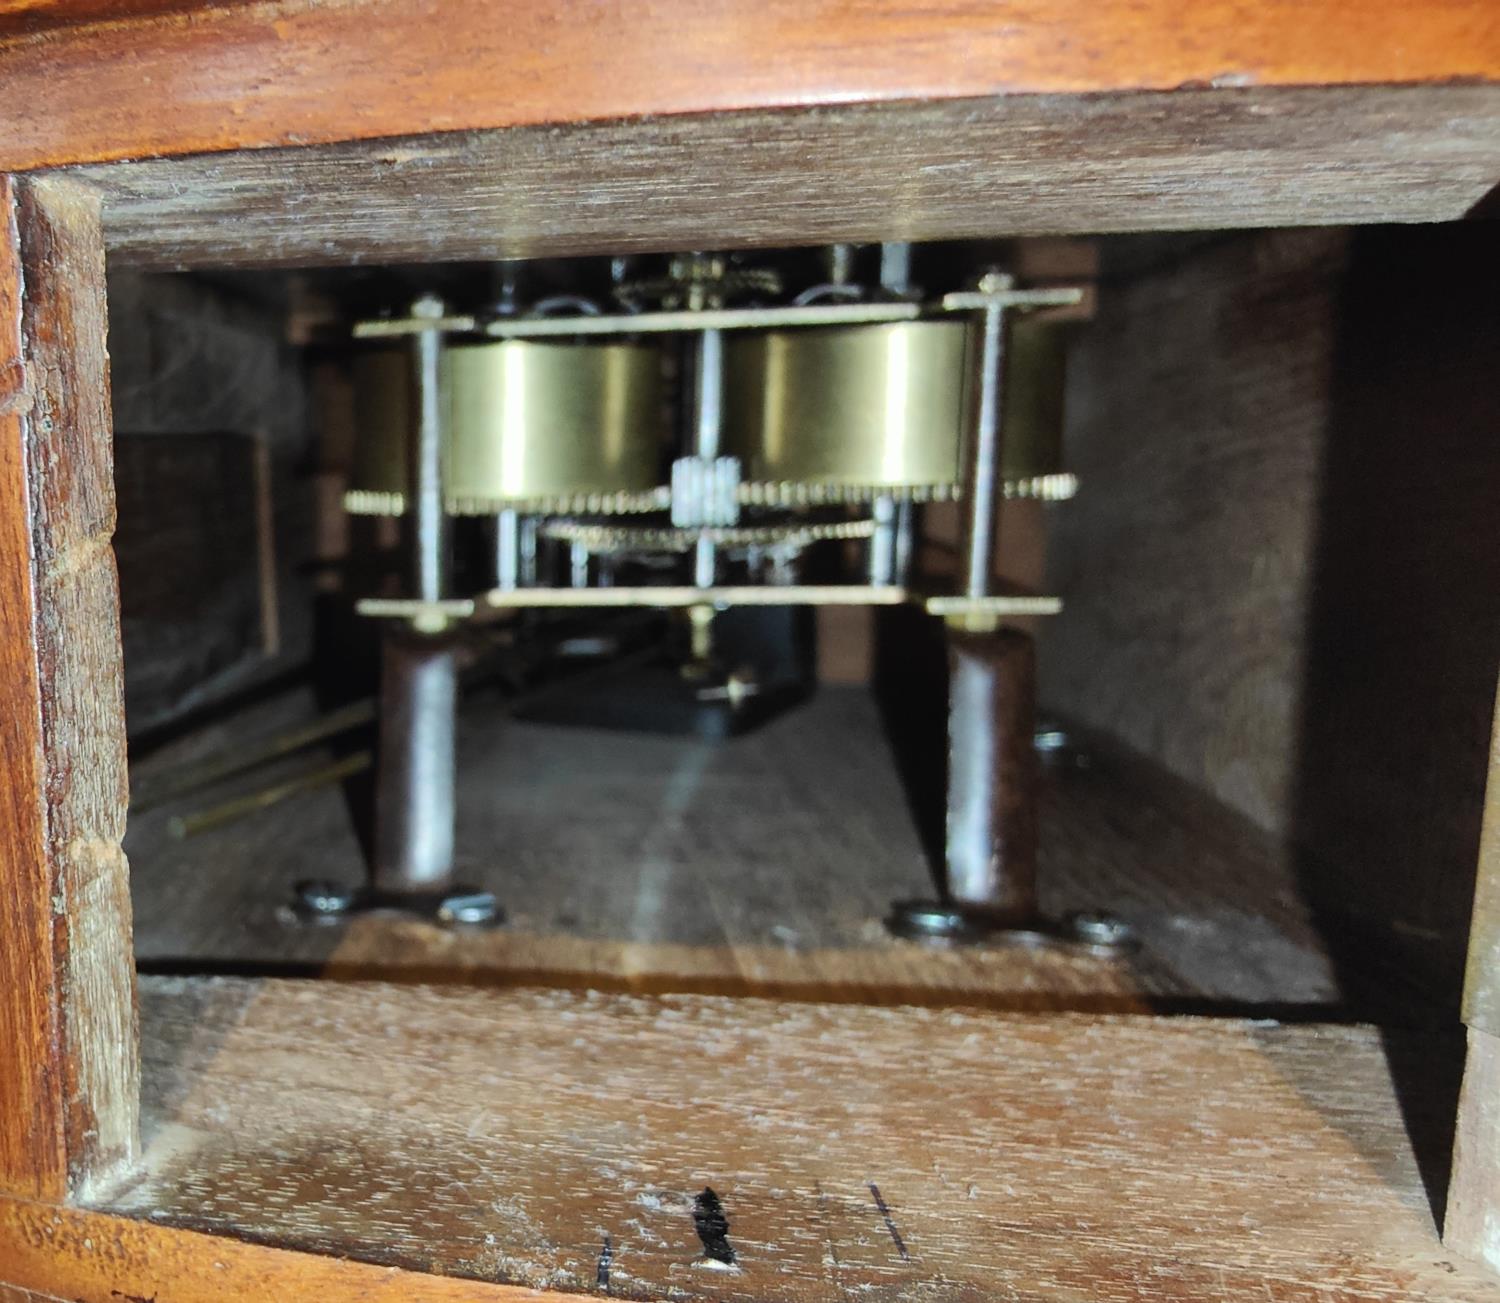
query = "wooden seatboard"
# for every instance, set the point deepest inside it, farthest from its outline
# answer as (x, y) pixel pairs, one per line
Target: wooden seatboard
(1034, 164)
(894, 1153)
(764, 865)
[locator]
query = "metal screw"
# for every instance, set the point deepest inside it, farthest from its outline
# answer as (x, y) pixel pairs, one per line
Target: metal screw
(472, 907)
(922, 920)
(1099, 929)
(321, 897)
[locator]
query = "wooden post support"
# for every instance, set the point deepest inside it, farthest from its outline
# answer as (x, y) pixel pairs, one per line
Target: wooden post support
(68, 1081)
(992, 781)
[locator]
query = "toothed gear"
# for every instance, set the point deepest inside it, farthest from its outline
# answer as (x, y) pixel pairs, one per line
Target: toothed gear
(616, 538)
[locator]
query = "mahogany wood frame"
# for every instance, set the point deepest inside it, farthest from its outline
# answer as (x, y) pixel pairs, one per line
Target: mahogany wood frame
(90, 80)
(95, 1257)
(240, 77)
(68, 1090)
(915, 170)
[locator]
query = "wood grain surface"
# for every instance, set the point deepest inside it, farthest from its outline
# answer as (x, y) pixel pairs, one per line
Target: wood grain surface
(31, 1145)
(1474, 1196)
(15, 1294)
(565, 1140)
(761, 866)
(1198, 402)
(1474, 1192)
(21, 18)
(203, 622)
(225, 76)
(1482, 976)
(192, 583)
(1014, 165)
(1281, 572)
(89, 1257)
(67, 1031)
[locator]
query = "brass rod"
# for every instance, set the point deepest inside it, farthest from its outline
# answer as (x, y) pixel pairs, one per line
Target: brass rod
(194, 775)
(182, 826)
(981, 451)
(428, 523)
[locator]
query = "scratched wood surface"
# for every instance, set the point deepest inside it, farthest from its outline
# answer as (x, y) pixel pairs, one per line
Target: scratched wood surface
(943, 169)
(696, 1147)
(125, 81)
(67, 1033)
(15, 1294)
(765, 865)
(80, 1256)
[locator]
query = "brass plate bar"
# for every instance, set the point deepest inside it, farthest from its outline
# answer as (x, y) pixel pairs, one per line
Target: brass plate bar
(764, 318)
(667, 596)
(405, 608)
(979, 300)
(394, 327)
(992, 604)
(652, 323)
(688, 595)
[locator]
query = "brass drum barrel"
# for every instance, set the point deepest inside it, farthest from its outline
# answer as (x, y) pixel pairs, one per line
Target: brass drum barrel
(1035, 357)
(872, 408)
(382, 416)
(539, 426)
(861, 410)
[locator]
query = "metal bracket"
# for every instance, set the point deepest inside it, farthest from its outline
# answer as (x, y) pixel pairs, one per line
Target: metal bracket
(946, 922)
(319, 901)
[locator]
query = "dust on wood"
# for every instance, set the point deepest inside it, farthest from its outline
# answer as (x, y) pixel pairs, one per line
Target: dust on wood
(502, 1135)
(764, 866)
(919, 170)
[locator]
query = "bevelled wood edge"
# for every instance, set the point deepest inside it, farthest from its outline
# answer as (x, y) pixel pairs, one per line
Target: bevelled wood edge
(234, 76)
(32, 1159)
(1482, 974)
(93, 1257)
(917, 170)
(1474, 1189)
(1474, 1192)
(68, 1073)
